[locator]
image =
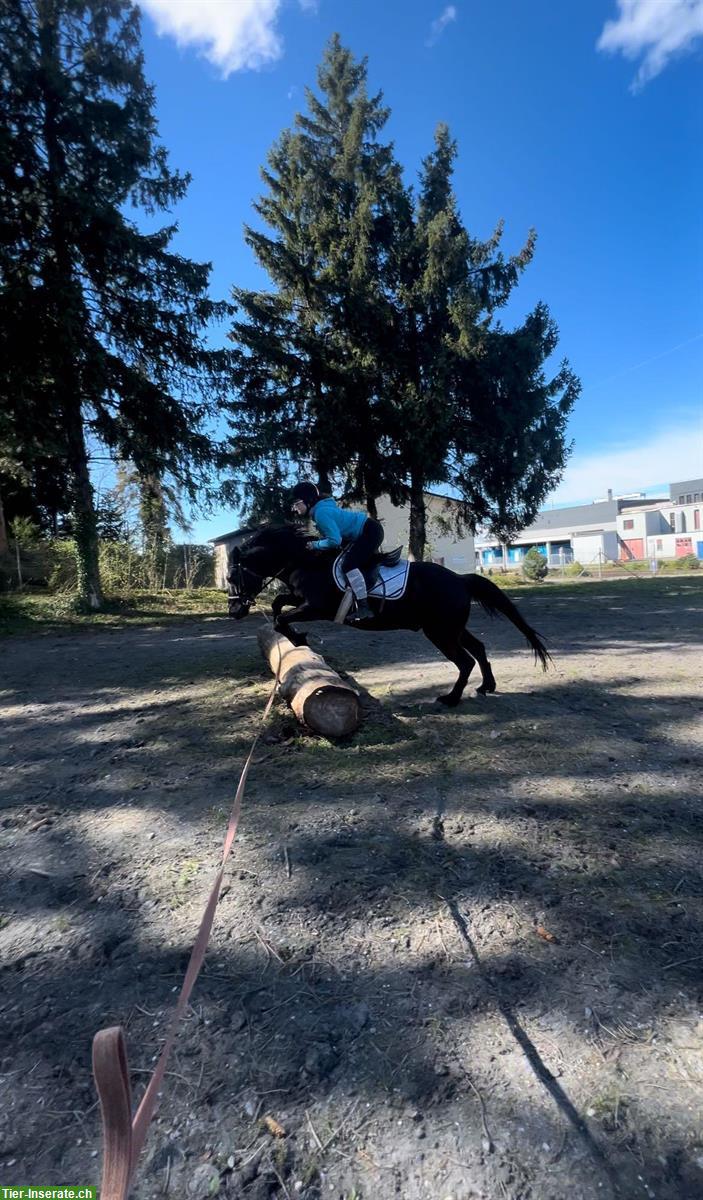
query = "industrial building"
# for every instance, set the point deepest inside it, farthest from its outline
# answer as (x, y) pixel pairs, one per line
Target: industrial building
(615, 529)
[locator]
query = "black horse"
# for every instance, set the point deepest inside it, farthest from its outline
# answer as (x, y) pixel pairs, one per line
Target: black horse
(436, 600)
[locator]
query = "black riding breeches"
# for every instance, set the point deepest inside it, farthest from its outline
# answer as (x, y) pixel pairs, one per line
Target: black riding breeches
(366, 545)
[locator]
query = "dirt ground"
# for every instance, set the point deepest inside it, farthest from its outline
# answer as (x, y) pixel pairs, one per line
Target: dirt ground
(458, 957)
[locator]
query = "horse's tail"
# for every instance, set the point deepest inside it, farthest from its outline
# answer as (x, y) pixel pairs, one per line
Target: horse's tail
(494, 600)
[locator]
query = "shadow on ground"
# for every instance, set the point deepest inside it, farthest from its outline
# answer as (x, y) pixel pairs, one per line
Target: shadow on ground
(457, 940)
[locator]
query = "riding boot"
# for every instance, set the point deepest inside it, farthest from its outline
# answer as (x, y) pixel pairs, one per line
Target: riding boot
(362, 611)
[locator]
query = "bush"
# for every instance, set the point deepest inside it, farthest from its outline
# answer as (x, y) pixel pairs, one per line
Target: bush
(124, 569)
(534, 566)
(573, 569)
(27, 533)
(688, 562)
(633, 565)
(36, 564)
(121, 568)
(509, 579)
(62, 575)
(191, 566)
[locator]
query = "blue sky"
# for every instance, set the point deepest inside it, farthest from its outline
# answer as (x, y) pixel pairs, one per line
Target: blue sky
(584, 120)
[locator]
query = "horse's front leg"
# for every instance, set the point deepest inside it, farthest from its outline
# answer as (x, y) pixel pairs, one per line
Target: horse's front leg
(281, 601)
(304, 612)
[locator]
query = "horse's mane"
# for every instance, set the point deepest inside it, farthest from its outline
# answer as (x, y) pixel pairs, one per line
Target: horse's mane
(276, 537)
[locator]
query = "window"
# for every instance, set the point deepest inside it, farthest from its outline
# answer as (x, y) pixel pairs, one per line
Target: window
(688, 498)
(672, 521)
(659, 544)
(696, 518)
(696, 497)
(628, 524)
(680, 499)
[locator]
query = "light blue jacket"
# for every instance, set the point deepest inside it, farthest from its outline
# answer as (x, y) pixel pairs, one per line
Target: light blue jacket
(336, 524)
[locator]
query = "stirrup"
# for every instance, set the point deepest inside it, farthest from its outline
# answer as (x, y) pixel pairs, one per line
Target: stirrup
(360, 613)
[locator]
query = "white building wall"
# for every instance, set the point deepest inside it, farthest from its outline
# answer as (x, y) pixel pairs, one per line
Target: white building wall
(589, 547)
(664, 545)
(645, 523)
(221, 566)
(656, 523)
(632, 525)
(688, 524)
(457, 553)
(563, 534)
(611, 547)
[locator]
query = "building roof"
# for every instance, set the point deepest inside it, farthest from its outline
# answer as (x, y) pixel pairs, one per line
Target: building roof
(687, 485)
(579, 515)
(574, 515)
(236, 533)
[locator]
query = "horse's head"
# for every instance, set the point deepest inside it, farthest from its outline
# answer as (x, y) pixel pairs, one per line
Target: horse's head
(263, 555)
(244, 585)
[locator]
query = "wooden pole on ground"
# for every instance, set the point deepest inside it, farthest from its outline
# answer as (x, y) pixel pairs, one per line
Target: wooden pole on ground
(316, 694)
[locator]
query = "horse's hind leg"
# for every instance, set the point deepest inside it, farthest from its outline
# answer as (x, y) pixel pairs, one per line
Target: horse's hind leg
(478, 650)
(449, 646)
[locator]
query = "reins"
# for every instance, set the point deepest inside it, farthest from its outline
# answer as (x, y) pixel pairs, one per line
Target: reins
(124, 1134)
(265, 581)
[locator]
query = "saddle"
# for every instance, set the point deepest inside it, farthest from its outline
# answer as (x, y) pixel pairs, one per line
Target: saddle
(386, 576)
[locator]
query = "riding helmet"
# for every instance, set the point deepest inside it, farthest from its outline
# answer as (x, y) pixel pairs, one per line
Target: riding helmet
(307, 492)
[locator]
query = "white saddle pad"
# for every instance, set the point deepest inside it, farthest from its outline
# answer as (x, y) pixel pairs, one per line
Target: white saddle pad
(391, 585)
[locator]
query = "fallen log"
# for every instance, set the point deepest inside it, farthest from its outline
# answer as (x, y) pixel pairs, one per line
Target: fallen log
(316, 694)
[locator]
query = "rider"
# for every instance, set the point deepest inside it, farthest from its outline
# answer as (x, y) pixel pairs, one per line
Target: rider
(342, 527)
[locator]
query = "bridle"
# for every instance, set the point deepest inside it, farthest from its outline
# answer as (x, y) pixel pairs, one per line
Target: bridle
(238, 589)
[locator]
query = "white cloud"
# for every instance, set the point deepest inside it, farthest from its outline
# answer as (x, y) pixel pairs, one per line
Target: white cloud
(234, 35)
(438, 27)
(671, 454)
(656, 29)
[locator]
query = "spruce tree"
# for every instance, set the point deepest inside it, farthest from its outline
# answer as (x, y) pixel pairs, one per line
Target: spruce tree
(509, 445)
(377, 357)
(307, 359)
(111, 517)
(470, 407)
(101, 323)
(430, 284)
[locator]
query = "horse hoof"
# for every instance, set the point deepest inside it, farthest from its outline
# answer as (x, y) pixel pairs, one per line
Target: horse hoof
(486, 689)
(449, 701)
